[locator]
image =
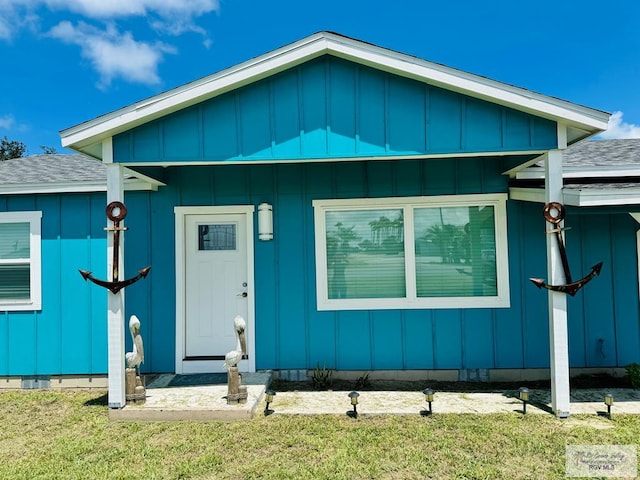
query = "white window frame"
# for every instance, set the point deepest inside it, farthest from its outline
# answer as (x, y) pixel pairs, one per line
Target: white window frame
(35, 261)
(412, 301)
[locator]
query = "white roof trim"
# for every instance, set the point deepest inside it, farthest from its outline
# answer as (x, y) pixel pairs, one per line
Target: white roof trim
(537, 173)
(593, 197)
(94, 131)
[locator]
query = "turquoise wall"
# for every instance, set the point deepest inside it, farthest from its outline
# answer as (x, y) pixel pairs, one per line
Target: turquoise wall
(329, 108)
(68, 335)
(291, 333)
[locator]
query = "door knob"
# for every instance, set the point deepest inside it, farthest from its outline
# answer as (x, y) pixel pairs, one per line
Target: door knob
(243, 294)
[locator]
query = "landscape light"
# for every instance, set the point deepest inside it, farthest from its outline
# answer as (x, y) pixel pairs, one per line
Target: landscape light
(523, 393)
(428, 396)
(608, 401)
(353, 397)
(269, 394)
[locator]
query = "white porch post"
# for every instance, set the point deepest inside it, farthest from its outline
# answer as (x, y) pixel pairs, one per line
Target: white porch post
(115, 302)
(558, 334)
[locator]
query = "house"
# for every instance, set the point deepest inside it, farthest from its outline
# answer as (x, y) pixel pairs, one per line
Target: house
(361, 208)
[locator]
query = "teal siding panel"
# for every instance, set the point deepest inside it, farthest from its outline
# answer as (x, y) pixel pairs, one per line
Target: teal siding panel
(286, 116)
(351, 179)
(478, 339)
(318, 180)
(406, 116)
(388, 351)
(181, 135)
(230, 186)
(535, 316)
(544, 133)
(261, 185)
(408, 179)
(440, 177)
(371, 135)
(197, 186)
(508, 330)
(75, 293)
(4, 343)
(255, 121)
(122, 151)
(48, 328)
(447, 339)
(575, 305)
(380, 178)
(469, 176)
(145, 141)
(314, 110)
(161, 319)
(625, 287)
(292, 292)
(23, 356)
(220, 128)
(353, 341)
(138, 256)
(518, 129)
(342, 108)
(598, 298)
(482, 126)
(418, 339)
(98, 301)
(445, 120)
(322, 338)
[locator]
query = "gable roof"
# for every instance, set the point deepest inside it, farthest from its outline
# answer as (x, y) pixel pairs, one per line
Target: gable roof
(63, 173)
(580, 121)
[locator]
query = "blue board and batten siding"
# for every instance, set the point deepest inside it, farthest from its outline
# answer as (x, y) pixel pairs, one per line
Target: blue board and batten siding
(330, 108)
(292, 333)
(68, 336)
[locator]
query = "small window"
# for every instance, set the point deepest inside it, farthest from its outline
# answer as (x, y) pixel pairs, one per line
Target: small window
(414, 252)
(217, 237)
(20, 278)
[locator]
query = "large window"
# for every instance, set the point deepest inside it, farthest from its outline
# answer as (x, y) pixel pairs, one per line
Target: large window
(20, 276)
(412, 252)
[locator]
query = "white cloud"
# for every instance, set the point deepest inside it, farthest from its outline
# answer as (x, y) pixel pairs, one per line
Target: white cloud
(619, 129)
(7, 121)
(114, 54)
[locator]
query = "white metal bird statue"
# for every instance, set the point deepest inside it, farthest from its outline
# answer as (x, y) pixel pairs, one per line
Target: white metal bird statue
(135, 358)
(232, 358)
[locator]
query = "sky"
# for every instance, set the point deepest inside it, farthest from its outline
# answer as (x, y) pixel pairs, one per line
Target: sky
(69, 61)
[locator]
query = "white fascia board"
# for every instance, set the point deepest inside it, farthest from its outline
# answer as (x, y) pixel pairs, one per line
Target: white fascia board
(537, 173)
(581, 198)
(130, 184)
(88, 133)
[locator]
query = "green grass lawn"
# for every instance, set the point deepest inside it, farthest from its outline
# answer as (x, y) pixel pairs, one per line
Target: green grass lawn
(68, 435)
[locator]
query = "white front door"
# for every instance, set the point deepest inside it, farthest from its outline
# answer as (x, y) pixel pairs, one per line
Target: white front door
(216, 287)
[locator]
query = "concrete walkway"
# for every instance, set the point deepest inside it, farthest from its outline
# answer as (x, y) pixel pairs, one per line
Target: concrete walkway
(208, 403)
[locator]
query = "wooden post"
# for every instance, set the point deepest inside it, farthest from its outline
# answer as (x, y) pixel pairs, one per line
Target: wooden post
(558, 333)
(115, 301)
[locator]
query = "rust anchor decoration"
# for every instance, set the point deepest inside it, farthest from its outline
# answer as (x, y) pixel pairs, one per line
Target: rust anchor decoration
(570, 287)
(116, 211)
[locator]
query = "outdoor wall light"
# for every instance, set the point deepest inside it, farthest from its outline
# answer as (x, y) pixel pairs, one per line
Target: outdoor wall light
(269, 394)
(608, 401)
(428, 396)
(523, 393)
(265, 221)
(353, 397)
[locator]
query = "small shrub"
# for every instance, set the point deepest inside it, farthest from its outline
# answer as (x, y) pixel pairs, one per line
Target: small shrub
(633, 374)
(322, 377)
(363, 382)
